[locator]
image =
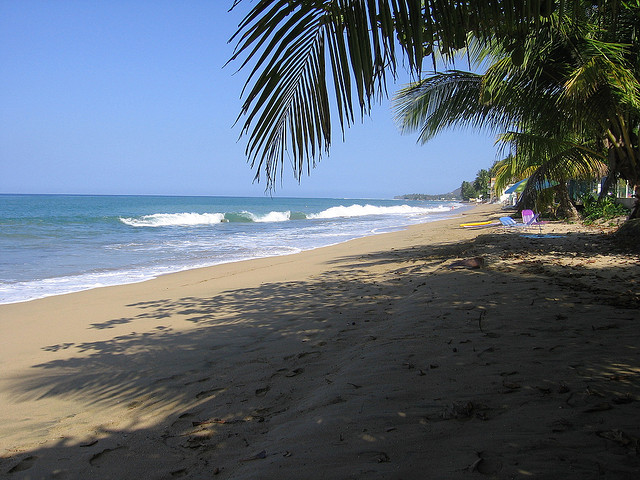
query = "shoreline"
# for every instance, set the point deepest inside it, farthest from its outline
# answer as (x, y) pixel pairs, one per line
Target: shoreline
(153, 275)
(376, 357)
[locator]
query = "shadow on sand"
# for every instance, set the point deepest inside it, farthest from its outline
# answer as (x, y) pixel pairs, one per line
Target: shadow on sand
(393, 365)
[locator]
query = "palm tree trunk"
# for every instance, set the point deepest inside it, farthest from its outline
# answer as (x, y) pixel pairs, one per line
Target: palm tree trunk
(635, 212)
(566, 208)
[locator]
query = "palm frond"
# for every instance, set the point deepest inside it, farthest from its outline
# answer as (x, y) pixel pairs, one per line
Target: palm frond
(295, 46)
(292, 47)
(544, 160)
(452, 99)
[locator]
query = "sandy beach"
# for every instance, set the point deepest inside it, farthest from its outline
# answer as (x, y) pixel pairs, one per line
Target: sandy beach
(435, 352)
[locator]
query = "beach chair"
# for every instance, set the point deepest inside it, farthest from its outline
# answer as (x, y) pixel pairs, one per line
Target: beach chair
(527, 215)
(531, 218)
(510, 223)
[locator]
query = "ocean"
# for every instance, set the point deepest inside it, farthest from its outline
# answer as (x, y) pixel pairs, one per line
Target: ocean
(55, 244)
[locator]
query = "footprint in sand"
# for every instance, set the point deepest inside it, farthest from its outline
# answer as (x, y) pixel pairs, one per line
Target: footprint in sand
(106, 455)
(486, 465)
(261, 392)
(24, 464)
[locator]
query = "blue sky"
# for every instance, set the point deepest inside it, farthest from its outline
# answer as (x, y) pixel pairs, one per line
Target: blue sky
(131, 97)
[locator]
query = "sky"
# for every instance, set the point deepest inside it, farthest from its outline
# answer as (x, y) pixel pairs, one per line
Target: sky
(133, 97)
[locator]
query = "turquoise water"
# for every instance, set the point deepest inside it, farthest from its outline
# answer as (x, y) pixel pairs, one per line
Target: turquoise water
(53, 244)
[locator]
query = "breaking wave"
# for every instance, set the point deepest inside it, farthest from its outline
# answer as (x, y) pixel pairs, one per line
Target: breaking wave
(363, 210)
(192, 219)
(174, 219)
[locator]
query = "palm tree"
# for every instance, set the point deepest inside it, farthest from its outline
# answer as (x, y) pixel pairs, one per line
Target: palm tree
(568, 104)
(307, 57)
(548, 164)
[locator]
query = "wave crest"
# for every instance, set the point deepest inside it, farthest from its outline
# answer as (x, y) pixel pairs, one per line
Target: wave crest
(174, 219)
(191, 219)
(357, 210)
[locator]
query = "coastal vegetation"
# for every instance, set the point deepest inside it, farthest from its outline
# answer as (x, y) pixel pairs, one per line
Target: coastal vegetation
(455, 195)
(604, 208)
(555, 112)
(479, 188)
(560, 85)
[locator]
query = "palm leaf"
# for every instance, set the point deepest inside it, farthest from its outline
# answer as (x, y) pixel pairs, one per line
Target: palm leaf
(292, 47)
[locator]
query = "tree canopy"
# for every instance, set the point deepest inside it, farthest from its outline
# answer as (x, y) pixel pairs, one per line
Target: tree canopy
(308, 59)
(567, 108)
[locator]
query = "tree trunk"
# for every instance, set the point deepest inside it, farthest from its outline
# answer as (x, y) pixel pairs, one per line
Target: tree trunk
(635, 211)
(566, 209)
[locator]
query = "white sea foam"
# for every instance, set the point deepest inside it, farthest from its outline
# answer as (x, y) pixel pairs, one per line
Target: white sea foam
(29, 290)
(272, 217)
(356, 210)
(174, 219)
(14, 292)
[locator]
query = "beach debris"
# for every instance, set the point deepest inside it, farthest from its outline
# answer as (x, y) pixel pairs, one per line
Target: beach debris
(261, 392)
(487, 350)
(623, 399)
(383, 458)
(621, 438)
(474, 466)
(600, 407)
(88, 444)
(100, 457)
(258, 456)
(484, 465)
(482, 314)
(461, 410)
(208, 393)
(470, 263)
(511, 386)
(219, 421)
(561, 425)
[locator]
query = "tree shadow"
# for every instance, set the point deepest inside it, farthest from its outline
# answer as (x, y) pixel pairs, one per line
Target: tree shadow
(273, 369)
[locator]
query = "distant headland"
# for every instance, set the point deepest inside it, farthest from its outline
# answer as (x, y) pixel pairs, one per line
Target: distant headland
(455, 195)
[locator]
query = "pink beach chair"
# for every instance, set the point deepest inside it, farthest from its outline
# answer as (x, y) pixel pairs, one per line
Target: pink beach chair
(510, 223)
(527, 215)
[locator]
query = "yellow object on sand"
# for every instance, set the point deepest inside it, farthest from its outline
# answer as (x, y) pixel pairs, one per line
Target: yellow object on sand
(476, 224)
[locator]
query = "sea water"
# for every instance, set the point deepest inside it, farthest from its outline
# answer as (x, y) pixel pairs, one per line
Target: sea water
(55, 244)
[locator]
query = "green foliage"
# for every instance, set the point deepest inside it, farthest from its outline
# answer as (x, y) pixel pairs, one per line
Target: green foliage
(601, 209)
(309, 63)
(467, 191)
(562, 77)
(425, 196)
(481, 183)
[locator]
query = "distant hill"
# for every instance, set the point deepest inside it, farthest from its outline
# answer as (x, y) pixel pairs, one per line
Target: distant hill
(455, 195)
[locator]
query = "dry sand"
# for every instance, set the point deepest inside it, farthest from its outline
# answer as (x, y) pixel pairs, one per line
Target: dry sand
(371, 359)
